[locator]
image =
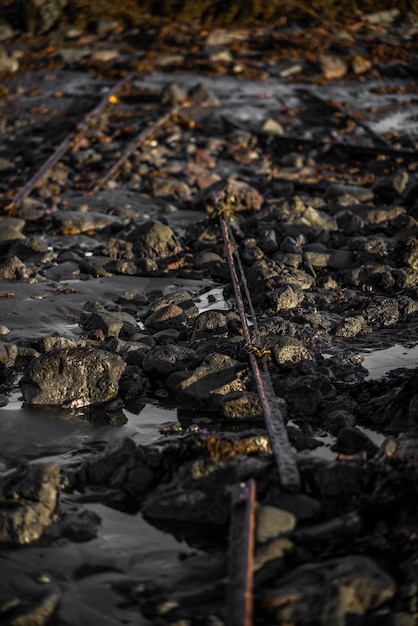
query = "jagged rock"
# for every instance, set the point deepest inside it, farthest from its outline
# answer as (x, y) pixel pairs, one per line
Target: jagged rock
(161, 361)
(290, 349)
(155, 241)
(217, 375)
(111, 323)
(72, 377)
(29, 498)
(229, 195)
(332, 590)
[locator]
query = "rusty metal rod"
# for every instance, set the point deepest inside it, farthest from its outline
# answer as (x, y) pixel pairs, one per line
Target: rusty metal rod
(26, 190)
(133, 145)
(282, 450)
(240, 600)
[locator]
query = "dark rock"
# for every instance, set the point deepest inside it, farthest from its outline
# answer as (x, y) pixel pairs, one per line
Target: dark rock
(111, 323)
(331, 590)
(338, 420)
(229, 195)
(352, 440)
(209, 324)
(242, 406)
(29, 498)
(41, 15)
(161, 361)
(217, 376)
(72, 377)
(170, 316)
(289, 349)
(155, 241)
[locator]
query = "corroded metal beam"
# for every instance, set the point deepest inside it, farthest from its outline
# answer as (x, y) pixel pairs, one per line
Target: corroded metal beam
(133, 145)
(26, 190)
(282, 450)
(240, 601)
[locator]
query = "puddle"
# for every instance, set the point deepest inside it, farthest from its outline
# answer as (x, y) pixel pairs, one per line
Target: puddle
(380, 362)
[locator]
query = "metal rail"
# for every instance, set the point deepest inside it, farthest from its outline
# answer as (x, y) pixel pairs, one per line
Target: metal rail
(133, 145)
(240, 599)
(282, 450)
(27, 189)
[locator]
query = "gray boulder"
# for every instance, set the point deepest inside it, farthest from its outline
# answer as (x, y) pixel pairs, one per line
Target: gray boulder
(72, 377)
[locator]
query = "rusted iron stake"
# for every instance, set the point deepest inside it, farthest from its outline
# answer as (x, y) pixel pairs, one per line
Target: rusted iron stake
(133, 145)
(66, 143)
(241, 555)
(282, 450)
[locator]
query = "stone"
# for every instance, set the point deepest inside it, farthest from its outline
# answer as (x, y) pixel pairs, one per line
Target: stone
(8, 63)
(29, 497)
(41, 15)
(167, 317)
(161, 361)
(209, 324)
(111, 323)
(6, 31)
(273, 522)
(229, 195)
(73, 377)
(242, 406)
(352, 440)
(216, 376)
(289, 349)
(331, 590)
(332, 66)
(155, 241)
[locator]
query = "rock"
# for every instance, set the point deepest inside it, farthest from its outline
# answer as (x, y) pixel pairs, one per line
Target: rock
(14, 269)
(105, 26)
(40, 614)
(217, 375)
(338, 420)
(161, 361)
(74, 222)
(272, 551)
(289, 349)
(352, 440)
(155, 241)
(229, 195)
(111, 323)
(209, 324)
(219, 54)
(8, 64)
(5, 164)
(173, 94)
(6, 31)
(73, 377)
(41, 15)
(202, 96)
(9, 231)
(381, 17)
(29, 498)
(272, 128)
(331, 590)
(170, 316)
(273, 522)
(242, 406)
(394, 186)
(181, 298)
(332, 66)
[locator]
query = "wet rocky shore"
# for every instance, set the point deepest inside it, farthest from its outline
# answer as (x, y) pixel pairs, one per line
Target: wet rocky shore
(129, 412)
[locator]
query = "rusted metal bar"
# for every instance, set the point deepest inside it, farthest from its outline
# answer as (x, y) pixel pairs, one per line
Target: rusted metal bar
(282, 450)
(26, 190)
(133, 145)
(240, 600)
